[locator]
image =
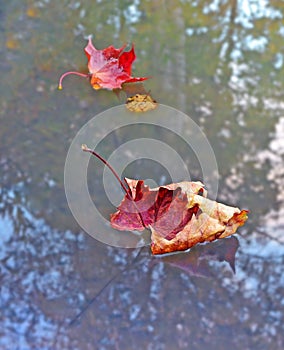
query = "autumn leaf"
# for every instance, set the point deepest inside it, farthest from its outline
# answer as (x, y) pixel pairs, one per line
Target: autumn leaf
(140, 103)
(138, 99)
(108, 68)
(179, 215)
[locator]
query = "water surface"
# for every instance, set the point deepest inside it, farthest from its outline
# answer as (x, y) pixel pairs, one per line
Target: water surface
(219, 62)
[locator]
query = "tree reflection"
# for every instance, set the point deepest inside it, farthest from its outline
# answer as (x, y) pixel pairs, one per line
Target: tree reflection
(219, 61)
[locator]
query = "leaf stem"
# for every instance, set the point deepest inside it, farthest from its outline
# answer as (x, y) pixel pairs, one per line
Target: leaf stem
(86, 149)
(128, 192)
(69, 73)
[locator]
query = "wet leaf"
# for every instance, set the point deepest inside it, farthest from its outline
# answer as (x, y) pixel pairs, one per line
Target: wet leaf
(138, 99)
(179, 215)
(108, 68)
(140, 103)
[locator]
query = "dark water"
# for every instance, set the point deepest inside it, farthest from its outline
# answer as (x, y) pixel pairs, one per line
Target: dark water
(221, 62)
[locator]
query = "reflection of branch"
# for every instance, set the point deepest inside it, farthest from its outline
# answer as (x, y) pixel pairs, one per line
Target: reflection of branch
(76, 318)
(259, 257)
(265, 234)
(233, 15)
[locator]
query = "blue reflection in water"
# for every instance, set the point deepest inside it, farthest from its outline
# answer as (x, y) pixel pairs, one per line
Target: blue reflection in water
(220, 62)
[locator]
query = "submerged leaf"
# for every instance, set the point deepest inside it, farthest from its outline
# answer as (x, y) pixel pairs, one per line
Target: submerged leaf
(138, 99)
(140, 103)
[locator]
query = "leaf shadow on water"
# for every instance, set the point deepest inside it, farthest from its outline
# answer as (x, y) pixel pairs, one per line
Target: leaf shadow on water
(197, 260)
(194, 262)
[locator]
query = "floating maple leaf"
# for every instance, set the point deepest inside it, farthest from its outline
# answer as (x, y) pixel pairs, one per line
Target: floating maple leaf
(179, 215)
(108, 68)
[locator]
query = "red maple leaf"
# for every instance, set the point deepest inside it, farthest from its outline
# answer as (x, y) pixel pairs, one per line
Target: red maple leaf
(161, 208)
(179, 215)
(108, 68)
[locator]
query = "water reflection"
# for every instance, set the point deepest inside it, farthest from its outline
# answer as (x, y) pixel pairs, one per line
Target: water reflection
(220, 62)
(197, 261)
